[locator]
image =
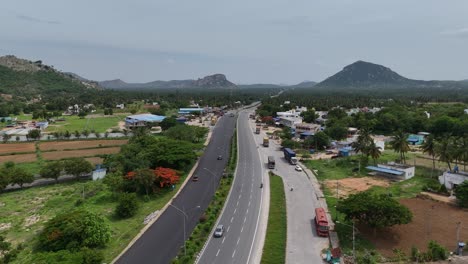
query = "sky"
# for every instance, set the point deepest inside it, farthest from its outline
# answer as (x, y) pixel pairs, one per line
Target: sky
(261, 41)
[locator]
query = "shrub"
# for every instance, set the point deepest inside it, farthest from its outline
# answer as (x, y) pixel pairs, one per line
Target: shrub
(436, 251)
(128, 205)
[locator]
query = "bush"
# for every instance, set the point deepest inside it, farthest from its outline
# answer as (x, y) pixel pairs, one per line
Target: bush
(128, 205)
(74, 230)
(436, 251)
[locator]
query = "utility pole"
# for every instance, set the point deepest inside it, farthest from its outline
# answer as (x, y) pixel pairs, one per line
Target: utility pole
(458, 238)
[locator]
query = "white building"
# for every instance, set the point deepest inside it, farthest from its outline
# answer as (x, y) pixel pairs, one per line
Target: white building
(452, 179)
(394, 170)
(307, 127)
(290, 121)
(120, 106)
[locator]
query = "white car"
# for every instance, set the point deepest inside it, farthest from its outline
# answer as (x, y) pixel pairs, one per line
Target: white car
(298, 168)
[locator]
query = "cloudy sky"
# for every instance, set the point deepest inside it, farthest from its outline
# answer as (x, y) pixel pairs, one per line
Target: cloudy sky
(251, 41)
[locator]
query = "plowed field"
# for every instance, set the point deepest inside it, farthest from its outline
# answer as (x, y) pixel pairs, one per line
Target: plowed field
(81, 144)
(56, 155)
(19, 158)
(17, 147)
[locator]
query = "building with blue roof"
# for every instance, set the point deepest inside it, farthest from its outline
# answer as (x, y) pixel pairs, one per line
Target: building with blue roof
(393, 170)
(142, 120)
(187, 111)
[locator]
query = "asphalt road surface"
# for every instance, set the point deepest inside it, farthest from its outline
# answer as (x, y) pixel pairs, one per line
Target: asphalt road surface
(162, 241)
(241, 213)
(303, 244)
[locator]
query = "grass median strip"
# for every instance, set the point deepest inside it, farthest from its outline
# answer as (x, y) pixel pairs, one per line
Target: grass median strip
(274, 251)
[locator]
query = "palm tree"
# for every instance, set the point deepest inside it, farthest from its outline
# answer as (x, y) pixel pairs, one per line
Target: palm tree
(464, 150)
(363, 141)
(429, 147)
(443, 149)
(374, 151)
(400, 144)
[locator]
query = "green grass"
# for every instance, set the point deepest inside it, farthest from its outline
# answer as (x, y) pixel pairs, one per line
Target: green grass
(45, 202)
(73, 123)
(274, 250)
(31, 167)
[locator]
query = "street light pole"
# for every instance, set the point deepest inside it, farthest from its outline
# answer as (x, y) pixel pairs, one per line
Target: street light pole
(184, 215)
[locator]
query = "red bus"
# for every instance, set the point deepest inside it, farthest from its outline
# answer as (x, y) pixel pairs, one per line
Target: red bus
(321, 222)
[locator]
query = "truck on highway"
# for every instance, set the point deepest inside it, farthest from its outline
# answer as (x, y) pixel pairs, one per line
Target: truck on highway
(257, 129)
(321, 222)
(271, 162)
(266, 142)
(290, 156)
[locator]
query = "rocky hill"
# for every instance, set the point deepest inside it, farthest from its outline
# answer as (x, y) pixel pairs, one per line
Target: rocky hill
(368, 76)
(211, 81)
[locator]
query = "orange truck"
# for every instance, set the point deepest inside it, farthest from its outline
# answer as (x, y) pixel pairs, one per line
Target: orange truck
(321, 222)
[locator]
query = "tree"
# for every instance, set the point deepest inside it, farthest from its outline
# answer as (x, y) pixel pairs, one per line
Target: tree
(400, 145)
(77, 167)
(166, 176)
(286, 133)
(85, 133)
(309, 116)
(114, 181)
(461, 192)
(6, 137)
(82, 114)
(444, 150)
(374, 151)
(145, 178)
(67, 134)
(337, 131)
(337, 113)
(127, 206)
(187, 133)
(74, 230)
(20, 176)
(52, 170)
(168, 122)
(319, 141)
(428, 147)
(5, 176)
(374, 210)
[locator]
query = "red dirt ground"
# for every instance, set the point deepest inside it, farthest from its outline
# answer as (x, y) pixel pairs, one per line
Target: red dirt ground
(56, 155)
(432, 220)
(17, 147)
(81, 144)
(20, 158)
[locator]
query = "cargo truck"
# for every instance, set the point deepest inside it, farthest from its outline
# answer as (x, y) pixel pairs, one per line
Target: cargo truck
(321, 222)
(266, 142)
(257, 129)
(290, 156)
(271, 162)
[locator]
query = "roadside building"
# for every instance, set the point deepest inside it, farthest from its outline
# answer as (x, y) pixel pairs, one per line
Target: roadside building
(42, 125)
(393, 170)
(290, 121)
(416, 140)
(120, 106)
(307, 127)
(189, 111)
(142, 120)
(451, 179)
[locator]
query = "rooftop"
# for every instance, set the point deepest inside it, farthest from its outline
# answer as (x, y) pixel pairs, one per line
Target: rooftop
(144, 117)
(384, 170)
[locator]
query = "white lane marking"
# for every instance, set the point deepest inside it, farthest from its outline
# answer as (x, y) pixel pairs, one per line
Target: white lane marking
(245, 219)
(238, 241)
(235, 210)
(232, 218)
(228, 228)
(234, 253)
(237, 203)
(240, 195)
(217, 253)
(247, 211)
(242, 229)
(249, 203)
(224, 238)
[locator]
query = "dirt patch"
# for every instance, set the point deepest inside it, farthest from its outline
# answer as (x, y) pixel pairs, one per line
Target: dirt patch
(80, 144)
(432, 220)
(21, 158)
(57, 155)
(354, 185)
(31, 220)
(441, 198)
(17, 148)
(4, 226)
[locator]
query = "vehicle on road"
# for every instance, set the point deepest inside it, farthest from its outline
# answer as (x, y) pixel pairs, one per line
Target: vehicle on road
(271, 162)
(257, 129)
(298, 168)
(321, 222)
(219, 231)
(220, 157)
(266, 142)
(195, 178)
(290, 156)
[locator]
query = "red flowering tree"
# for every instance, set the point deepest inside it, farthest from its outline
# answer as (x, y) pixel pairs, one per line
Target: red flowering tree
(166, 176)
(268, 120)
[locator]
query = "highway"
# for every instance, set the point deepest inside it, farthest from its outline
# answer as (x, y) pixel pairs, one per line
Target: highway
(303, 244)
(162, 241)
(242, 209)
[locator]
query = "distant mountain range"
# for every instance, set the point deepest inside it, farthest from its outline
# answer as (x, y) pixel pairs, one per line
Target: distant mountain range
(211, 81)
(366, 75)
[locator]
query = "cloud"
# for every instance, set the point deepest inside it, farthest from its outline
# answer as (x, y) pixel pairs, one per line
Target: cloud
(36, 20)
(460, 32)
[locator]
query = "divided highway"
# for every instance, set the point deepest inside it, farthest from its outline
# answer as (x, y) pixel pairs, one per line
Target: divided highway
(241, 214)
(162, 241)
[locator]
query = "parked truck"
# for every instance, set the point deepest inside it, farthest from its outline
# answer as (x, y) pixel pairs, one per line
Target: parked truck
(290, 156)
(266, 142)
(271, 162)
(257, 129)
(321, 222)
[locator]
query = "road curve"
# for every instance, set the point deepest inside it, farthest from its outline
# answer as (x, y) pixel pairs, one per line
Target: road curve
(241, 213)
(162, 241)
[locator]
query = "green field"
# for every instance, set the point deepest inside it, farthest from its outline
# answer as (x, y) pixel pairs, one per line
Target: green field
(27, 210)
(274, 250)
(73, 123)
